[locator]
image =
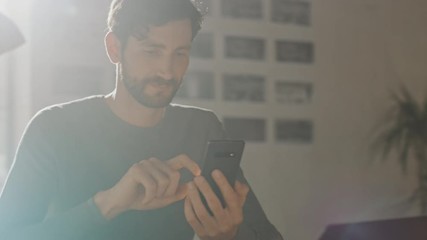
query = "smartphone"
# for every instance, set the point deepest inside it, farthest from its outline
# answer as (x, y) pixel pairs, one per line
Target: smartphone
(224, 155)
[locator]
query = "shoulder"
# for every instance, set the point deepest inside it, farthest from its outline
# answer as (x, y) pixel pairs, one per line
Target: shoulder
(196, 120)
(76, 107)
(67, 112)
(192, 113)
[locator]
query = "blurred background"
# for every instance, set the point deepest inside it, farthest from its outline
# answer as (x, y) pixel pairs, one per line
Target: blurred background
(304, 82)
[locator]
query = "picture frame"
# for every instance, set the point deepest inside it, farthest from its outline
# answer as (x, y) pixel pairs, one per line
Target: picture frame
(248, 9)
(244, 88)
(291, 12)
(241, 47)
(248, 129)
(299, 131)
(292, 92)
(288, 51)
(197, 85)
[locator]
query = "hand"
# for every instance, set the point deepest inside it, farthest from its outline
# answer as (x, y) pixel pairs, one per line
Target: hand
(149, 184)
(224, 222)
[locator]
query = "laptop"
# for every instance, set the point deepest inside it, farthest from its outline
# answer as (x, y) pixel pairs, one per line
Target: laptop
(414, 228)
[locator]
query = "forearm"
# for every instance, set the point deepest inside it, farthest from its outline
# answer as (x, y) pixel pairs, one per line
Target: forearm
(245, 232)
(255, 224)
(71, 224)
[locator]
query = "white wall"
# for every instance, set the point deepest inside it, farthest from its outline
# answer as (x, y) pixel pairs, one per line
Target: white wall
(17, 61)
(363, 48)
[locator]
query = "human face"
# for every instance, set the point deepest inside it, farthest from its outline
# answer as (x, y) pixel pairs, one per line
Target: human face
(152, 68)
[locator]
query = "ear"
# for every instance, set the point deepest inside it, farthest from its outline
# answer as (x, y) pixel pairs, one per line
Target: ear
(113, 47)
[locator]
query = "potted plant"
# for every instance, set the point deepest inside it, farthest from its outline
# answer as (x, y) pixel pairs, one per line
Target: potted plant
(403, 131)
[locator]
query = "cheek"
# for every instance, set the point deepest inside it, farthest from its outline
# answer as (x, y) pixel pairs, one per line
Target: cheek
(181, 67)
(136, 65)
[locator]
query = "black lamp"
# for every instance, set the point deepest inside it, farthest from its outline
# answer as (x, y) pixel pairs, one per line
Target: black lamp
(10, 36)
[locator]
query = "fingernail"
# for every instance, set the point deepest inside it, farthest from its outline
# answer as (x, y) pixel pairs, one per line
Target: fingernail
(216, 173)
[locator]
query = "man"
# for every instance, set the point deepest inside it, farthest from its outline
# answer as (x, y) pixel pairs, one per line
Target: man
(127, 165)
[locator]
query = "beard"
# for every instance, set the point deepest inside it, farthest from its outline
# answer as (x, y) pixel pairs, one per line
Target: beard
(137, 87)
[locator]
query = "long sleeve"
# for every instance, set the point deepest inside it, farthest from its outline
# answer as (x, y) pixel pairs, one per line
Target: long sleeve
(66, 156)
(30, 188)
(256, 225)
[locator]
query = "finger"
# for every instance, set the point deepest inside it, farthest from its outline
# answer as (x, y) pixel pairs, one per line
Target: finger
(162, 180)
(142, 177)
(211, 198)
(242, 190)
(222, 216)
(181, 192)
(173, 177)
(173, 185)
(183, 161)
(192, 219)
(207, 221)
(165, 201)
(228, 193)
(237, 212)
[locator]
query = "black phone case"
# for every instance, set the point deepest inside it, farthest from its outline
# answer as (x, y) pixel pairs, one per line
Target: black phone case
(224, 155)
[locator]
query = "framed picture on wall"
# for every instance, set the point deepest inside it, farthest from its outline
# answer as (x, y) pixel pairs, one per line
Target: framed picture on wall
(294, 131)
(197, 85)
(291, 12)
(203, 46)
(245, 48)
(247, 88)
(293, 92)
(294, 52)
(248, 129)
(250, 9)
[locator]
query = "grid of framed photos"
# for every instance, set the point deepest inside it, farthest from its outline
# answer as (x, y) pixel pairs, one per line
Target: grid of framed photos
(291, 12)
(232, 57)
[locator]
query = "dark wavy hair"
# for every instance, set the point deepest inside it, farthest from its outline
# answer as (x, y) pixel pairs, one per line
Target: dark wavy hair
(134, 17)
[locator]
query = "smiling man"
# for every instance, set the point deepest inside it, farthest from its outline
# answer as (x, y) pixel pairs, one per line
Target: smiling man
(127, 165)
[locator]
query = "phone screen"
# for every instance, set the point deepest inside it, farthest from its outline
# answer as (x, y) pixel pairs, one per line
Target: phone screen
(224, 155)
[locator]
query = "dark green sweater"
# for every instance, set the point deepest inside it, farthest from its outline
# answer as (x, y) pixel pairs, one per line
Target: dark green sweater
(69, 152)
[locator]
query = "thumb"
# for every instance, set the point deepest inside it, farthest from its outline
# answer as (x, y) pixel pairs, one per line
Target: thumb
(183, 161)
(181, 192)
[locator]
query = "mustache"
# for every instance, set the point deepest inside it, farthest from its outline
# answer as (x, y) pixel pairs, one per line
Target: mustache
(160, 80)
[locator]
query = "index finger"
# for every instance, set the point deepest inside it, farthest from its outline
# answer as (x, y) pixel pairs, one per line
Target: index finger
(226, 189)
(183, 161)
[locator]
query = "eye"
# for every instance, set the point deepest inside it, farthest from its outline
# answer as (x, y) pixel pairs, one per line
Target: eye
(152, 52)
(182, 53)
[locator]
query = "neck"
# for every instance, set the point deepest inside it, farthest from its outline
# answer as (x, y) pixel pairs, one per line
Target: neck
(132, 112)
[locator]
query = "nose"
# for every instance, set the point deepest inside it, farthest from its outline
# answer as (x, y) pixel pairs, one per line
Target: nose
(166, 68)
